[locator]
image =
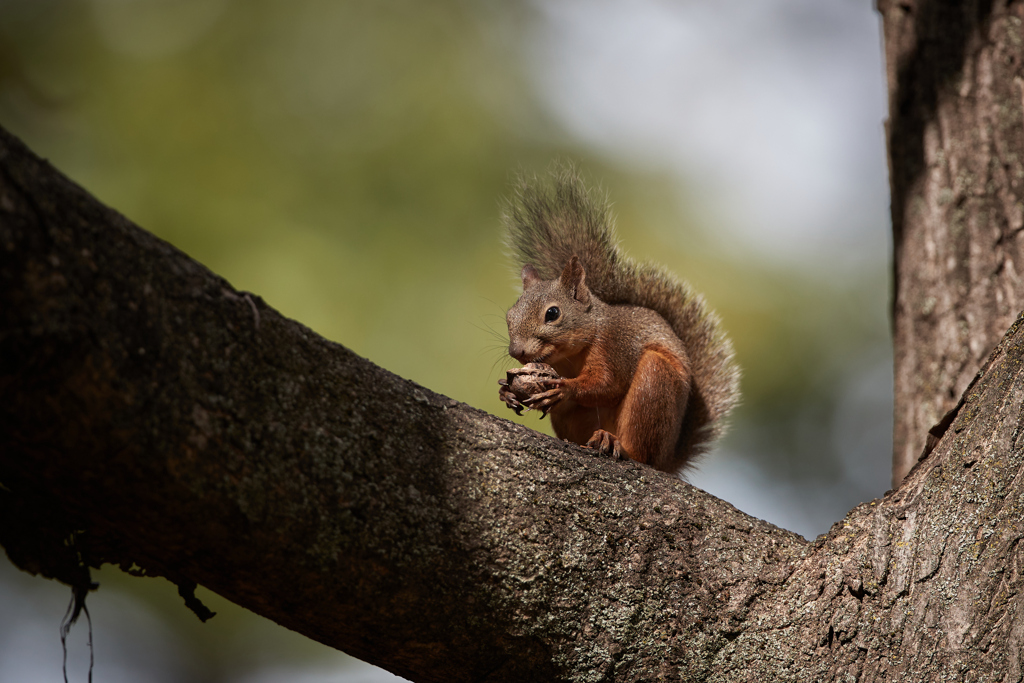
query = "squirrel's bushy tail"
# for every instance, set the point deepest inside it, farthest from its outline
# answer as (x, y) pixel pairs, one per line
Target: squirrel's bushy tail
(549, 223)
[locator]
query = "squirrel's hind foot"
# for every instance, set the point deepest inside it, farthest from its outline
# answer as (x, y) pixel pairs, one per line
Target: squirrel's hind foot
(607, 443)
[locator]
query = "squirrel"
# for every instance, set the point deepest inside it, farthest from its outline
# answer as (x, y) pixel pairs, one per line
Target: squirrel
(643, 367)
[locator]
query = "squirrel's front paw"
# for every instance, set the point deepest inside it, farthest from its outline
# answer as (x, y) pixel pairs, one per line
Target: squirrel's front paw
(606, 442)
(506, 394)
(546, 400)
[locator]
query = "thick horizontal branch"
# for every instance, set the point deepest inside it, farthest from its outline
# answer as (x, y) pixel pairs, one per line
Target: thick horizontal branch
(177, 425)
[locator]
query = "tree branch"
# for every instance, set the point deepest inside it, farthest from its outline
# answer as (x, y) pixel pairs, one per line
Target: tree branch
(158, 419)
(180, 426)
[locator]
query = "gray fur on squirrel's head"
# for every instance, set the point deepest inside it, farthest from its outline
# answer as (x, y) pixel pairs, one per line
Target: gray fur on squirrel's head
(549, 222)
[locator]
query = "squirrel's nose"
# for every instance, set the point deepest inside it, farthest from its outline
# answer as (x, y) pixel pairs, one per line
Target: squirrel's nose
(517, 351)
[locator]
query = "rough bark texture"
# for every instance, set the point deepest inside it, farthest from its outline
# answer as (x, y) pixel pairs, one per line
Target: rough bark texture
(158, 419)
(956, 150)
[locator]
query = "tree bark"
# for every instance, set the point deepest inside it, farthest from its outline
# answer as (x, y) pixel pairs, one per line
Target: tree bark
(956, 152)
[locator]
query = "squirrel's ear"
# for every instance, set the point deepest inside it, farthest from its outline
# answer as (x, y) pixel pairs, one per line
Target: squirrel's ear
(573, 279)
(530, 276)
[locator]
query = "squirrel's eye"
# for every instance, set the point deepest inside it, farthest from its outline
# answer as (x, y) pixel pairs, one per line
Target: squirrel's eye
(552, 314)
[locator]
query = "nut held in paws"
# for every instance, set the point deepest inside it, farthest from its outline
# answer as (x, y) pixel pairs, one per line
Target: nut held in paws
(529, 379)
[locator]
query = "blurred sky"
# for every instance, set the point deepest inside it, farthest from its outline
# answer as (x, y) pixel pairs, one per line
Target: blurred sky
(769, 111)
(347, 162)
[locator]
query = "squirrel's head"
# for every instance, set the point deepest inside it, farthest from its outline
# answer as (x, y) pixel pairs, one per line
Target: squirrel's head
(552, 319)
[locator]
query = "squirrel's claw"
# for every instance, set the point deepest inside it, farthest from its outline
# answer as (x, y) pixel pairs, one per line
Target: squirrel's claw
(546, 400)
(606, 443)
(509, 397)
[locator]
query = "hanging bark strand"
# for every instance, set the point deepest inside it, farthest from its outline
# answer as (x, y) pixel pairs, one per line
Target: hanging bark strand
(956, 148)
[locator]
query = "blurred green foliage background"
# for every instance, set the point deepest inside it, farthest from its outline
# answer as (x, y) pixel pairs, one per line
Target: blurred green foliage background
(347, 162)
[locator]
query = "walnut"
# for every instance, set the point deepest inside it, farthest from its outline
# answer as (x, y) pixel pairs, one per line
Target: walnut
(523, 383)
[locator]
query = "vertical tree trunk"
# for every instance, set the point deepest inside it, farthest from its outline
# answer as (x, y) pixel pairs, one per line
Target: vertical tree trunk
(955, 136)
